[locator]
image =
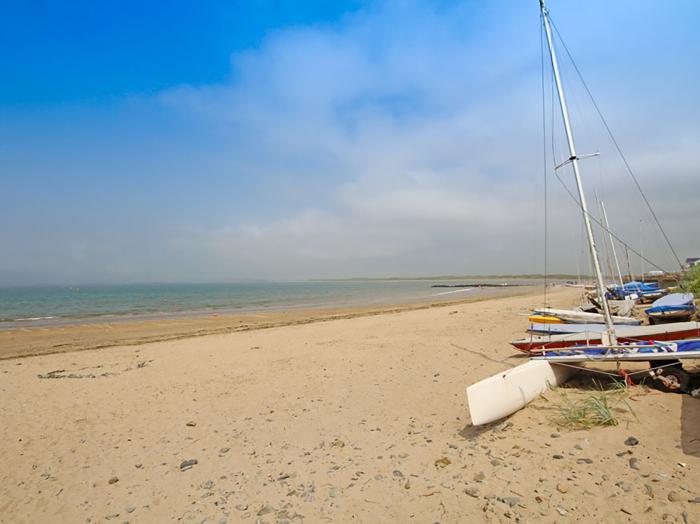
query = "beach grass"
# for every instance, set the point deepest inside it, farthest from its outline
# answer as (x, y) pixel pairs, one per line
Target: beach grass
(601, 407)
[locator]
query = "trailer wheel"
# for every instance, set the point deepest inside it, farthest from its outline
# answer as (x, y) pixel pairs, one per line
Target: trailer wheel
(672, 379)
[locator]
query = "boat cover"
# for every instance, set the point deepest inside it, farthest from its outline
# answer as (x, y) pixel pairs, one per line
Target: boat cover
(672, 303)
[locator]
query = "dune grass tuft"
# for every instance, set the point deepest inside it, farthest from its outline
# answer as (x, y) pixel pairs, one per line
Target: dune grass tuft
(597, 408)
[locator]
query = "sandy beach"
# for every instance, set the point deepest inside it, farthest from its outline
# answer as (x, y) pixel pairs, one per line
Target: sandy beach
(359, 418)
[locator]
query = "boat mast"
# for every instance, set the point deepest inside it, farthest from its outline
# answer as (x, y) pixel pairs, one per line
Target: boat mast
(573, 158)
(612, 244)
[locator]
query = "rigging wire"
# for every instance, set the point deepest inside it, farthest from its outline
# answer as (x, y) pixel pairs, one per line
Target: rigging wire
(617, 146)
(603, 227)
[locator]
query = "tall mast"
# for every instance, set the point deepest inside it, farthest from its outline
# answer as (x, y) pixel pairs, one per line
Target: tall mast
(573, 158)
(612, 244)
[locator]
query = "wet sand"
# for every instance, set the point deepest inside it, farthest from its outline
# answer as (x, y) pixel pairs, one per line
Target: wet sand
(360, 419)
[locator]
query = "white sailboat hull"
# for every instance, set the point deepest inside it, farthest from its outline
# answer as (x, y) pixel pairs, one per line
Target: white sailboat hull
(505, 393)
(581, 317)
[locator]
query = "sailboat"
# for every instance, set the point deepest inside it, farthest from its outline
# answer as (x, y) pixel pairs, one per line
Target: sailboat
(503, 394)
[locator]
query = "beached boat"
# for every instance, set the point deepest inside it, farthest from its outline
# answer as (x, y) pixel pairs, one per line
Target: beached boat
(565, 329)
(660, 332)
(505, 393)
(582, 317)
(672, 307)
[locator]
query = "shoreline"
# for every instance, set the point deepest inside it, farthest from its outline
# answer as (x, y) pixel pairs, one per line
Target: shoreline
(29, 341)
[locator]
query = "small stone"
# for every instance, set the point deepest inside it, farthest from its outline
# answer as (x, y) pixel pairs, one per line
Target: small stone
(623, 453)
(649, 490)
(673, 496)
(634, 463)
(191, 424)
(241, 507)
(334, 492)
(555, 435)
(398, 474)
(472, 492)
(511, 501)
(631, 441)
(479, 477)
(403, 455)
(442, 462)
(584, 461)
(266, 509)
(562, 488)
(224, 450)
(138, 466)
(695, 500)
(561, 511)
(337, 443)
(187, 464)
(557, 456)
(379, 477)
(209, 484)
(113, 480)
(130, 509)
(408, 484)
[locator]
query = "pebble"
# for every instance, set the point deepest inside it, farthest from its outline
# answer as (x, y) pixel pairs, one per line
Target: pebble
(631, 441)
(398, 474)
(265, 510)
(408, 484)
(479, 477)
(130, 509)
(472, 492)
(562, 488)
(557, 456)
(584, 461)
(695, 500)
(208, 484)
(241, 507)
(191, 424)
(673, 496)
(634, 463)
(113, 480)
(224, 450)
(334, 492)
(442, 462)
(187, 464)
(511, 501)
(555, 435)
(561, 511)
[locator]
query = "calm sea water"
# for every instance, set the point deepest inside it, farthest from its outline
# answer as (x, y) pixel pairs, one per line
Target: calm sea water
(34, 306)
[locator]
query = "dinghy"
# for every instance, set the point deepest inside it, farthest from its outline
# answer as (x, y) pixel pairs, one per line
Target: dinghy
(565, 329)
(505, 393)
(673, 306)
(661, 332)
(581, 317)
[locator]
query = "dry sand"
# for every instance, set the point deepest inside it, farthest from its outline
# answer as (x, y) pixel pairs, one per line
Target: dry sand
(352, 420)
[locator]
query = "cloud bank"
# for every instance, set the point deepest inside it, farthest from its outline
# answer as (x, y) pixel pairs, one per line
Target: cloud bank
(403, 140)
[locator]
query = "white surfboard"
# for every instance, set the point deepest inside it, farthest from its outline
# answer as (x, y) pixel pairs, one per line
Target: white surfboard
(505, 393)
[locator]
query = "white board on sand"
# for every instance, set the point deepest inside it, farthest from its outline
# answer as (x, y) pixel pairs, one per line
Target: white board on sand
(501, 395)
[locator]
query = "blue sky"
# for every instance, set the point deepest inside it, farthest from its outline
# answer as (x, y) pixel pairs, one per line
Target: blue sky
(216, 141)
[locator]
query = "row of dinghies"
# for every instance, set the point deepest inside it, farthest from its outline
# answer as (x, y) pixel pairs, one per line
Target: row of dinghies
(615, 327)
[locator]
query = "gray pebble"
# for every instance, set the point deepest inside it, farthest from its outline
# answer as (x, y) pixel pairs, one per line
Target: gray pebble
(472, 492)
(584, 461)
(113, 480)
(130, 509)
(187, 464)
(511, 501)
(634, 463)
(555, 435)
(266, 509)
(334, 492)
(398, 474)
(224, 450)
(631, 441)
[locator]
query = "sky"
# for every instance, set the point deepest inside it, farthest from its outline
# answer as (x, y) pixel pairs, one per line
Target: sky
(218, 141)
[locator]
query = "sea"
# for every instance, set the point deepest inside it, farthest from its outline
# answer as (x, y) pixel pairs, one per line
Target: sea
(59, 305)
